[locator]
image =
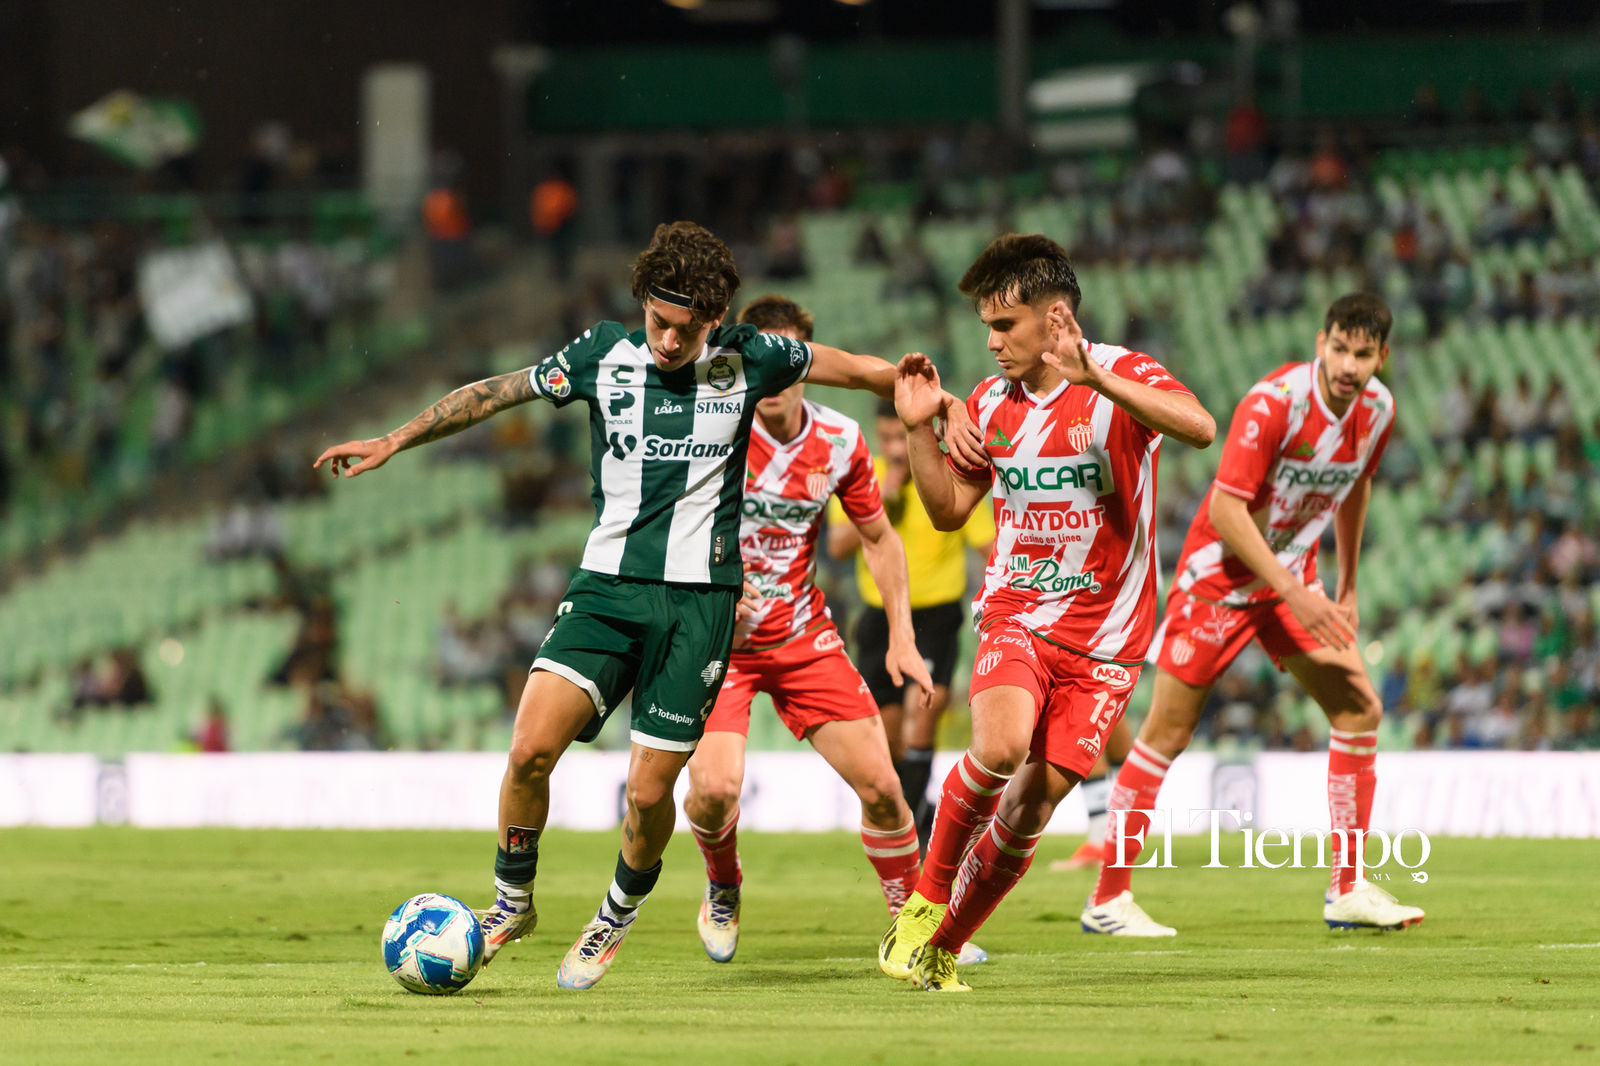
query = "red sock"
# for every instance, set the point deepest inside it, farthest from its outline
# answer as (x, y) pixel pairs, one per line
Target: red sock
(1351, 781)
(1138, 784)
(893, 853)
(991, 868)
(967, 800)
(720, 847)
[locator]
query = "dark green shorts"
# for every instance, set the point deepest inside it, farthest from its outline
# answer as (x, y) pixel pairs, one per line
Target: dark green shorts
(667, 643)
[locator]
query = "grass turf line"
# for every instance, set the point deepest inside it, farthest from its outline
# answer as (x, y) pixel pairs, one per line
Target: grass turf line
(130, 946)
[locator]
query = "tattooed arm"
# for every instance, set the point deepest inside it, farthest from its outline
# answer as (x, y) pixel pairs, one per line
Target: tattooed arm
(464, 407)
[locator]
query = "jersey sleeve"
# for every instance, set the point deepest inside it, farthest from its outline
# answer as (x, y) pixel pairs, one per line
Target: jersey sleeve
(570, 373)
(857, 492)
(1377, 450)
(1136, 366)
(773, 363)
(1254, 437)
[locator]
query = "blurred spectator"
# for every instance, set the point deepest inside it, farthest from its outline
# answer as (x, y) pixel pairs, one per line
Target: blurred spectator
(785, 255)
(553, 210)
(313, 656)
(1244, 139)
(212, 733)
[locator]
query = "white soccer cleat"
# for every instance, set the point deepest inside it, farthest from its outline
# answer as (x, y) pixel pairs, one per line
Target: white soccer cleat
(588, 960)
(971, 954)
(1121, 916)
(719, 921)
(503, 923)
(1366, 906)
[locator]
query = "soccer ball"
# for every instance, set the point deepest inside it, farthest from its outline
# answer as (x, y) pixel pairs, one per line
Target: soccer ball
(432, 944)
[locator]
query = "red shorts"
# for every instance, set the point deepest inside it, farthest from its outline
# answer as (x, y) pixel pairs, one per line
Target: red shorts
(810, 679)
(1197, 641)
(1079, 699)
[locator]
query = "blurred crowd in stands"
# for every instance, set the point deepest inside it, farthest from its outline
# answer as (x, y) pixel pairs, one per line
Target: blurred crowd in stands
(75, 350)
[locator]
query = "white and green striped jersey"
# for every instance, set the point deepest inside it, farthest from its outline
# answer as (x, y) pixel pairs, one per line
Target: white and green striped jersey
(668, 447)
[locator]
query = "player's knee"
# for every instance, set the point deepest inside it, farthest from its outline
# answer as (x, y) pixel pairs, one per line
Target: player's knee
(881, 801)
(717, 792)
(531, 761)
(648, 793)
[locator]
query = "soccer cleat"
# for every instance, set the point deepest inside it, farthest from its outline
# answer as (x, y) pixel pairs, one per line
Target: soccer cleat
(589, 959)
(719, 921)
(1087, 857)
(1366, 906)
(971, 954)
(916, 922)
(503, 923)
(933, 969)
(1121, 916)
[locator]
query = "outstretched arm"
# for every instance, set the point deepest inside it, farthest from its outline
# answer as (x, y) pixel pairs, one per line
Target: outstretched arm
(1174, 414)
(886, 562)
(464, 407)
(834, 366)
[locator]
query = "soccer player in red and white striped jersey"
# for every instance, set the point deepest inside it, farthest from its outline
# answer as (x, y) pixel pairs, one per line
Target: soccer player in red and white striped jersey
(1300, 454)
(1072, 431)
(787, 646)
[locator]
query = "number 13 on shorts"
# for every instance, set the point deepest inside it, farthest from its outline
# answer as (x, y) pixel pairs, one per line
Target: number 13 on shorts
(1107, 709)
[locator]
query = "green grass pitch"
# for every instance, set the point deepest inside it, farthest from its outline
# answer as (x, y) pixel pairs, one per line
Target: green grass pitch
(129, 947)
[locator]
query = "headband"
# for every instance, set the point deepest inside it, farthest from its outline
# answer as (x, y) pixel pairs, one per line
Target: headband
(667, 296)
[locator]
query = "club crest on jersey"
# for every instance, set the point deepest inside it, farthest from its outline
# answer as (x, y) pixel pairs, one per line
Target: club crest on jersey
(817, 485)
(1079, 436)
(554, 382)
(719, 375)
(1182, 651)
(986, 662)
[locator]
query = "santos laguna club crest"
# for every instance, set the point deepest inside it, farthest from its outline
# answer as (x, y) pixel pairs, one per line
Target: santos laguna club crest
(1079, 436)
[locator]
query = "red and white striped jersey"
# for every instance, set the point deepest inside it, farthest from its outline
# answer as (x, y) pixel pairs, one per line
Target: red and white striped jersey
(786, 490)
(1295, 462)
(1074, 496)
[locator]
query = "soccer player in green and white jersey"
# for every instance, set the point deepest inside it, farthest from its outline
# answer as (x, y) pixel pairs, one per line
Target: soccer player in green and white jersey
(652, 608)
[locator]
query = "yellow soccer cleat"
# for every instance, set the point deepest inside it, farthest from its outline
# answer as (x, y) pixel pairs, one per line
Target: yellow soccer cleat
(933, 969)
(916, 922)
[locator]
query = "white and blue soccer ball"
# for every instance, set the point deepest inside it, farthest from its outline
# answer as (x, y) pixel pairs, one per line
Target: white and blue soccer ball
(433, 945)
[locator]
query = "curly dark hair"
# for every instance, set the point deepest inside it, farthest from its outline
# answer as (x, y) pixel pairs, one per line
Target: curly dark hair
(1360, 312)
(686, 257)
(772, 312)
(1021, 268)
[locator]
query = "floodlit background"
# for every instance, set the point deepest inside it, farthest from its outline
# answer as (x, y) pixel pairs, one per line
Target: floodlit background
(231, 235)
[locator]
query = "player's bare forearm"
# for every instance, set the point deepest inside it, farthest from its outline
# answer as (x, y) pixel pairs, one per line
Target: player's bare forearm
(464, 407)
(1230, 515)
(1349, 523)
(843, 540)
(948, 499)
(885, 556)
(834, 366)
(1173, 414)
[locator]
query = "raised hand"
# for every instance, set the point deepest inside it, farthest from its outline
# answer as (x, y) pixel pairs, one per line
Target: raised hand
(917, 395)
(1070, 355)
(356, 456)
